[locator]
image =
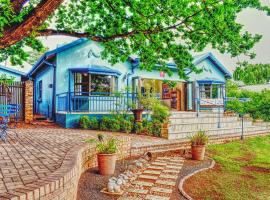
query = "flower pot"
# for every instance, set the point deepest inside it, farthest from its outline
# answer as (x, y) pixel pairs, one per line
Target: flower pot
(198, 152)
(137, 114)
(106, 163)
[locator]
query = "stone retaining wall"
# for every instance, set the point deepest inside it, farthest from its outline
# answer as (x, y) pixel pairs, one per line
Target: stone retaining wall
(63, 183)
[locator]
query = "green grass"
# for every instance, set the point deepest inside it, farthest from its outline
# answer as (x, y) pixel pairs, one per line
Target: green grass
(242, 172)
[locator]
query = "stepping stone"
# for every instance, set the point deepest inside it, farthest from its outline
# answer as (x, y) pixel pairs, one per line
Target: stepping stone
(168, 176)
(161, 190)
(152, 172)
(155, 167)
(168, 183)
(171, 171)
(143, 183)
(155, 197)
(159, 163)
(130, 198)
(173, 167)
(137, 191)
(148, 177)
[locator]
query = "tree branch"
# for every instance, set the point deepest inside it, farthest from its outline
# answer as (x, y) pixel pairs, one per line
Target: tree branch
(32, 21)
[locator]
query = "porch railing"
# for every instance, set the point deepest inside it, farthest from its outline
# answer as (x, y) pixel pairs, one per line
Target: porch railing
(95, 102)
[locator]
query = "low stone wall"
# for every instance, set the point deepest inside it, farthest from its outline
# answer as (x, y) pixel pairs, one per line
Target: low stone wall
(63, 183)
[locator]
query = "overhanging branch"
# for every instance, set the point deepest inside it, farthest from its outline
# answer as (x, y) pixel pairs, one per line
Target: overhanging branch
(32, 21)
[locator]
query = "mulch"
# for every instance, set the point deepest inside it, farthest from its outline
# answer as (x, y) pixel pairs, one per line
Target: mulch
(91, 183)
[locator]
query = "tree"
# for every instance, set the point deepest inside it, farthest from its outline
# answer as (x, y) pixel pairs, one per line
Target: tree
(252, 74)
(154, 30)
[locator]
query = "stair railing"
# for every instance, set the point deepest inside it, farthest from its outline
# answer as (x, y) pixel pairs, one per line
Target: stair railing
(198, 108)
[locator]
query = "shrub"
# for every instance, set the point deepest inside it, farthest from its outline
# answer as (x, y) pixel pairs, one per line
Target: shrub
(93, 123)
(138, 127)
(154, 128)
(126, 126)
(109, 124)
(161, 113)
(104, 147)
(84, 122)
(200, 138)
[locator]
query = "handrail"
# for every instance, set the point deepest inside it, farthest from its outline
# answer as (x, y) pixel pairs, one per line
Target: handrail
(198, 100)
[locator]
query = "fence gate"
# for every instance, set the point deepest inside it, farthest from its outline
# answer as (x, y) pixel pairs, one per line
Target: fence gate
(13, 94)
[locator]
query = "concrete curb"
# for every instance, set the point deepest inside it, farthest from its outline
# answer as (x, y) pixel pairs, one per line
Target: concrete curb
(181, 184)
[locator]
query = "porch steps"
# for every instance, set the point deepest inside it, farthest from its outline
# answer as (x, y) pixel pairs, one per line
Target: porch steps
(184, 124)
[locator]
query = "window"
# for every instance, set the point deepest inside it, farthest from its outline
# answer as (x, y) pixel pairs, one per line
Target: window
(40, 90)
(81, 83)
(205, 91)
(101, 83)
(211, 91)
(85, 83)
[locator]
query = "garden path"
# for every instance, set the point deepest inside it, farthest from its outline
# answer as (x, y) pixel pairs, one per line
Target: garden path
(157, 181)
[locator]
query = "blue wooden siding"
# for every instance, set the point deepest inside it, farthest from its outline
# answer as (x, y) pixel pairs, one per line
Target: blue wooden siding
(44, 106)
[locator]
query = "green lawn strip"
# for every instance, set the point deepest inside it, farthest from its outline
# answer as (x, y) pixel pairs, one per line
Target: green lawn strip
(242, 171)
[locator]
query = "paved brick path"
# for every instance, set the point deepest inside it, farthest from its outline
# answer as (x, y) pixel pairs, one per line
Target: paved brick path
(38, 152)
(157, 181)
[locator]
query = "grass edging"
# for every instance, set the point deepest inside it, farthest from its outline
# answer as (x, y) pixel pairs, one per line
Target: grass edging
(182, 181)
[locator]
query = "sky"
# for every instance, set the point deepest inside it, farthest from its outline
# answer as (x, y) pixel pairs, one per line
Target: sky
(254, 22)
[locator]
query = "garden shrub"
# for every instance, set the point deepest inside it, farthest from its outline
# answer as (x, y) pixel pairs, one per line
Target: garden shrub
(258, 107)
(109, 124)
(138, 127)
(154, 128)
(93, 123)
(126, 126)
(84, 122)
(161, 113)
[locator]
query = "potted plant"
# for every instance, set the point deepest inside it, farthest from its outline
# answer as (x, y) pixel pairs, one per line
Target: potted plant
(106, 154)
(198, 142)
(137, 112)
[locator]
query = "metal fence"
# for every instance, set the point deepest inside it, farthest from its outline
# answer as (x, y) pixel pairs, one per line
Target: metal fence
(13, 94)
(95, 102)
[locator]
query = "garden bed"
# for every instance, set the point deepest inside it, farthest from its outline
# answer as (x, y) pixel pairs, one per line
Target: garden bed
(91, 183)
(242, 171)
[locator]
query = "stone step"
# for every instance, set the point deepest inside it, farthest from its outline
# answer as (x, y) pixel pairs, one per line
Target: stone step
(202, 119)
(194, 114)
(219, 132)
(205, 126)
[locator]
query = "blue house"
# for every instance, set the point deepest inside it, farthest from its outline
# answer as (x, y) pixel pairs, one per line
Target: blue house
(73, 80)
(12, 73)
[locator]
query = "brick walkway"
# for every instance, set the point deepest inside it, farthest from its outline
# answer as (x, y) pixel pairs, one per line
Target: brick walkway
(157, 181)
(37, 153)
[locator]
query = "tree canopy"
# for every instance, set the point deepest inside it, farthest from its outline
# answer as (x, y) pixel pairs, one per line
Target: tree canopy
(252, 74)
(154, 30)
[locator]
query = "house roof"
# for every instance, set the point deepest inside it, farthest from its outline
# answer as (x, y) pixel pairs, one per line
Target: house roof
(199, 58)
(50, 54)
(135, 60)
(14, 71)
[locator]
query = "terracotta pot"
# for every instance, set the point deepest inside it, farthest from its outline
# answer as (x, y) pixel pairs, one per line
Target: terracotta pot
(137, 114)
(198, 152)
(106, 163)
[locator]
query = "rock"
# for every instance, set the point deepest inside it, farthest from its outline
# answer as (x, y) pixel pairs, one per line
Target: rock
(117, 188)
(110, 187)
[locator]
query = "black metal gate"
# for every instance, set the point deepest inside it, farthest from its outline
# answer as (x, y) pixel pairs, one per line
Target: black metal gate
(13, 94)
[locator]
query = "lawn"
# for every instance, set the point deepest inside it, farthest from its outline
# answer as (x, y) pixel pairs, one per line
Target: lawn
(242, 172)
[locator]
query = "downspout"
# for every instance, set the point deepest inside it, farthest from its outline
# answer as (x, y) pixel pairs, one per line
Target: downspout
(54, 89)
